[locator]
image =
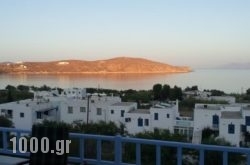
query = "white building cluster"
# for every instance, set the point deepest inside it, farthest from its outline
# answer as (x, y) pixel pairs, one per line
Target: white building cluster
(232, 120)
(73, 105)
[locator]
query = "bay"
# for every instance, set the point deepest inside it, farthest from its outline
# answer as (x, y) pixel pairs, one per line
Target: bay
(230, 81)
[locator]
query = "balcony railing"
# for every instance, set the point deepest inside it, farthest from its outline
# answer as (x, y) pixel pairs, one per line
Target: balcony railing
(119, 141)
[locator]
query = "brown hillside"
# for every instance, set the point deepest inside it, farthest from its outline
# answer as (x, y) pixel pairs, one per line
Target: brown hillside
(115, 65)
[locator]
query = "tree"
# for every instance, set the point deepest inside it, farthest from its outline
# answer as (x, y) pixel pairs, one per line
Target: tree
(10, 87)
(10, 95)
(248, 91)
(175, 93)
(23, 88)
(194, 88)
(165, 92)
(5, 122)
(215, 92)
(157, 88)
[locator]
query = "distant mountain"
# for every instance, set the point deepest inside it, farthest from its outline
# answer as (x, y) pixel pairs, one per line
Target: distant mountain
(236, 66)
(115, 65)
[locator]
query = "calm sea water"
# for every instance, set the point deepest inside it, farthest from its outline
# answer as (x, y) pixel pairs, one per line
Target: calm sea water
(231, 81)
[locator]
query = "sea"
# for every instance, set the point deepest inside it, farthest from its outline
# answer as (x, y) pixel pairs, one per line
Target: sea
(229, 81)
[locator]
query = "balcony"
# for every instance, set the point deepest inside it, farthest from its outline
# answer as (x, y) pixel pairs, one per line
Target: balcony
(118, 150)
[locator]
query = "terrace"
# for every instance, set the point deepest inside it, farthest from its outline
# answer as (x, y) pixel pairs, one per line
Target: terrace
(118, 150)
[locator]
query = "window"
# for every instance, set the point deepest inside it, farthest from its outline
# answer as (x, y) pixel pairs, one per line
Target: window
(215, 119)
(168, 115)
(38, 115)
(9, 113)
(122, 113)
(243, 128)
(21, 114)
(98, 111)
(112, 111)
(140, 122)
(156, 116)
(127, 120)
(231, 128)
(70, 109)
(146, 122)
(82, 109)
(247, 120)
(92, 101)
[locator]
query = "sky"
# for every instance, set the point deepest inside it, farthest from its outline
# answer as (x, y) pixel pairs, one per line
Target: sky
(195, 33)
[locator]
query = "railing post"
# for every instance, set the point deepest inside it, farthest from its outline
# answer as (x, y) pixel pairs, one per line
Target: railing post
(18, 135)
(179, 155)
(5, 143)
(201, 157)
(82, 148)
(118, 150)
(225, 158)
(248, 158)
(99, 150)
(138, 154)
(158, 155)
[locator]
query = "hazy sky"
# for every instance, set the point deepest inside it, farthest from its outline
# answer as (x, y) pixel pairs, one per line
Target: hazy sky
(201, 33)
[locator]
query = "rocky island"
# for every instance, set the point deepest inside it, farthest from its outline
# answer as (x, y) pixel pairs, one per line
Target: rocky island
(114, 65)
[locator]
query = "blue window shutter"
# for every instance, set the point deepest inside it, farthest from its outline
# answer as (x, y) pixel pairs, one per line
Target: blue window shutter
(243, 128)
(156, 116)
(146, 122)
(140, 122)
(215, 119)
(247, 120)
(231, 128)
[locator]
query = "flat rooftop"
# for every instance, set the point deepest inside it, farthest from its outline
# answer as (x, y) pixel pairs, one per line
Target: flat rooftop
(123, 104)
(141, 111)
(207, 106)
(231, 115)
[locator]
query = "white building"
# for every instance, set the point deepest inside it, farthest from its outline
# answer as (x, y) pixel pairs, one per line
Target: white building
(68, 107)
(117, 111)
(138, 121)
(75, 105)
(232, 121)
(27, 112)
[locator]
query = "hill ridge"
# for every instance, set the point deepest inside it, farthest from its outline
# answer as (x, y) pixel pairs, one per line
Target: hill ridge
(113, 65)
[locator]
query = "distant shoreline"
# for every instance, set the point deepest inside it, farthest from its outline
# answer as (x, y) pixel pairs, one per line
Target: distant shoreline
(87, 73)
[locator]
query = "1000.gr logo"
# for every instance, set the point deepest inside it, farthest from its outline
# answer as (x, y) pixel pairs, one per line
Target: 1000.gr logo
(44, 147)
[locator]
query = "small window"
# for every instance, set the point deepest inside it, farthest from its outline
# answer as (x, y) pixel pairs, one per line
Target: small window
(98, 111)
(247, 120)
(92, 101)
(127, 120)
(122, 113)
(9, 113)
(82, 109)
(140, 122)
(112, 111)
(243, 128)
(168, 115)
(70, 109)
(215, 119)
(38, 115)
(231, 128)
(21, 114)
(146, 122)
(156, 116)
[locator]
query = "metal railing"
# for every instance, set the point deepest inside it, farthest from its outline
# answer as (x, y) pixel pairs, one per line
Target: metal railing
(119, 141)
